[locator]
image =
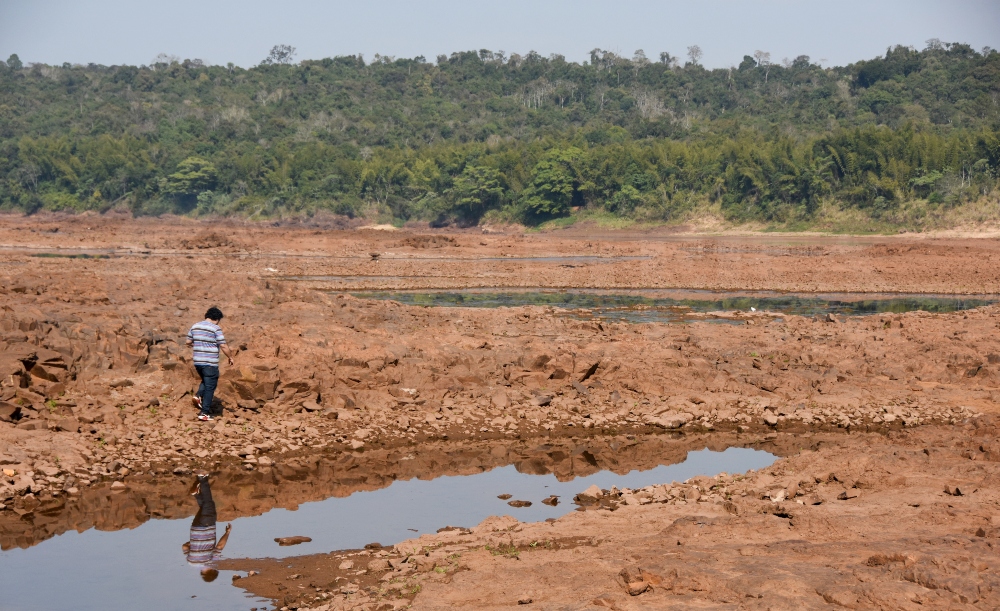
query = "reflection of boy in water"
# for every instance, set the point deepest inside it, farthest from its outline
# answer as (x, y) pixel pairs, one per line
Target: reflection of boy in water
(201, 549)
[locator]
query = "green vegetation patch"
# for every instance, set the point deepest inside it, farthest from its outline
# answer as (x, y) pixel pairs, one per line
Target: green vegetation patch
(908, 140)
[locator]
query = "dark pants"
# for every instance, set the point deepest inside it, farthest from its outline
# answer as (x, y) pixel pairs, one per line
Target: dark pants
(206, 515)
(206, 390)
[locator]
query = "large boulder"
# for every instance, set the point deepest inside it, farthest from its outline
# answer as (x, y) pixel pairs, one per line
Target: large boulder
(253, 383)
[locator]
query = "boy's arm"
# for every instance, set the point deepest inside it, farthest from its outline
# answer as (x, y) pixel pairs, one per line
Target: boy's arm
(223, 346)
(221, 545)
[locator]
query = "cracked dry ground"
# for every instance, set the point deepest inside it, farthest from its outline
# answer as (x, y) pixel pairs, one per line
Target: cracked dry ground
(95, 384)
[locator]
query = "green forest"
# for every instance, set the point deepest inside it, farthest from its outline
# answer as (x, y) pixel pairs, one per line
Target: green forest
(482, 136)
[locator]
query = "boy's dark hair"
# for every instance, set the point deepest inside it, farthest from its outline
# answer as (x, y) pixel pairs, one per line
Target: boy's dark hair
(209, 575)
(213, 313)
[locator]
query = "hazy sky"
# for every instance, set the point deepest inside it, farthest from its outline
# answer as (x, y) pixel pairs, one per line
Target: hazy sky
(220, 31)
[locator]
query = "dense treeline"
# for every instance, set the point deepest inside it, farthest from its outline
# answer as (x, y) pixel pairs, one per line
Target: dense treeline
(522, 138)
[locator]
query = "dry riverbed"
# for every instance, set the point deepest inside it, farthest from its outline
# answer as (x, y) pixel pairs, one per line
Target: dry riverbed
(96, 382)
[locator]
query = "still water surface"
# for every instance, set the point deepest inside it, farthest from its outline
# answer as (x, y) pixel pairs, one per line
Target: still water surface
(144, 568)
(657, 305)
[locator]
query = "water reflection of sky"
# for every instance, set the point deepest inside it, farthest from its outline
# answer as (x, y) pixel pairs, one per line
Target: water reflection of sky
(144, 567)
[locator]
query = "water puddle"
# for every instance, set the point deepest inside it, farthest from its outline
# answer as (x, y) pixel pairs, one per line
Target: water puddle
(516, 259)
(60, 255)
(86, 253)
(655, 305)
(133, 558)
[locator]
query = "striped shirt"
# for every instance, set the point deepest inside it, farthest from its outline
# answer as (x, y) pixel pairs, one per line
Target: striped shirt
(206, 337)
(202, 545)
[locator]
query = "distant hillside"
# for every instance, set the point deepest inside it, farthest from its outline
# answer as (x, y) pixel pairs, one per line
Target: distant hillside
(519, 138)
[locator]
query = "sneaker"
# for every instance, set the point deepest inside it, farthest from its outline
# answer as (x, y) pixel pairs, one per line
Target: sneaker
(196, 400)
(205, 418)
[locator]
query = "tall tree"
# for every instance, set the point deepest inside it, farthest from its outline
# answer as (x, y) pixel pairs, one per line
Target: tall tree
(280, 55)
(694, 54)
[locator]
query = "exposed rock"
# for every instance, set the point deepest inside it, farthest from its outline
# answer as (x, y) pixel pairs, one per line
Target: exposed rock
(284, 541)
(590, 495)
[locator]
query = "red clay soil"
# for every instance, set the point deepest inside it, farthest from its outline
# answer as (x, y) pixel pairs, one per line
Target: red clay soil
(95, 387)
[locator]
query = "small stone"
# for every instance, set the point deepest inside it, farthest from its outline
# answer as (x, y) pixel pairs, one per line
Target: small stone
(519, 503)
(357, 444)
(953, 490)
(591, 494)
(118, 486)
(551, 501)
(525, 600)
(346, 565)
(283, 541)
(264, 461)
(542, 400)
(636, 588)
(122, 383)
(72, 491)
(9, 472)
(850, 493)
(350, 588)
(504, 497)
(70, 425)
(770, 418)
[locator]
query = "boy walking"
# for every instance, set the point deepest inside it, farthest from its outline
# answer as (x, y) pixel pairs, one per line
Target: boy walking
(207, 340)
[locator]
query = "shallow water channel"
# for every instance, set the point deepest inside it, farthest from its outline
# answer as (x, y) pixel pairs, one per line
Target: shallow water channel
(142, 565)
(658, 305)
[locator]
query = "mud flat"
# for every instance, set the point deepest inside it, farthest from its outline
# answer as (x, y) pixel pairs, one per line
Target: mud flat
(95, 390)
